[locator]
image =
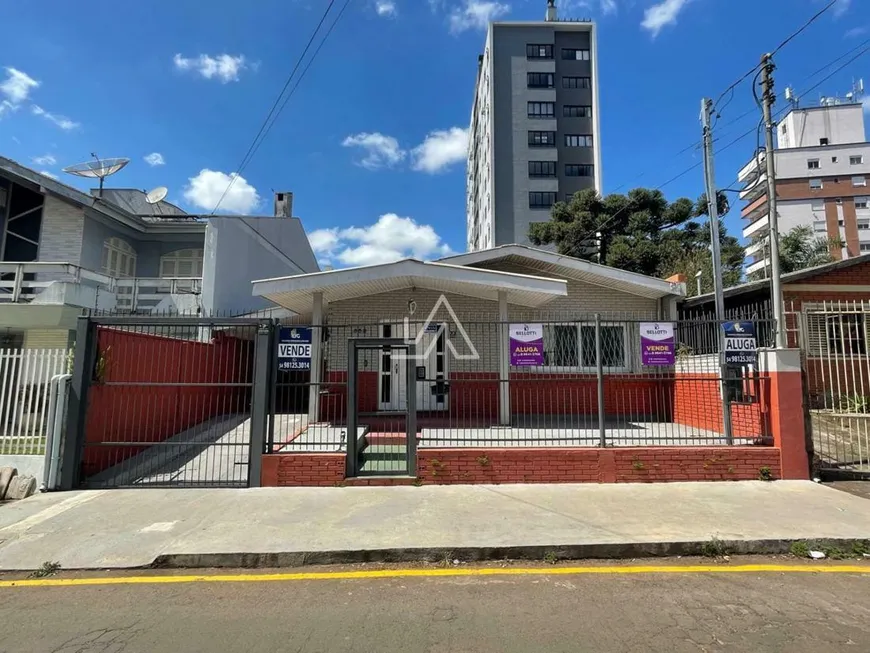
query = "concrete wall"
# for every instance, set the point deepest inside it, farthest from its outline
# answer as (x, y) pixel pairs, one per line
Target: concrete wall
(792, 164)
(62, 232)
(839, 124)
(241, 250)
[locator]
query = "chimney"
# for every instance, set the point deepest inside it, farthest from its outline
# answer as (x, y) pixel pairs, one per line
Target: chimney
(284, 205)
(551, 11)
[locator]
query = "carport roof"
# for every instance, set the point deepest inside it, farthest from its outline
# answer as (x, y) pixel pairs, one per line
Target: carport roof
(297, 292)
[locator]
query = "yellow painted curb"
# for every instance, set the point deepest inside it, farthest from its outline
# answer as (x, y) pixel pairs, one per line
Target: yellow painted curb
(436, 573)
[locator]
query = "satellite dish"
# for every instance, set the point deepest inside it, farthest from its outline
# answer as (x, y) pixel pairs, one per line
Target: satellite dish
(97, 169)
(157, 195)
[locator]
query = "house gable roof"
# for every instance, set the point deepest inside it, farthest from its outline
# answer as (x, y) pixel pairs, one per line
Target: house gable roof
(297, 292)
(573, 268)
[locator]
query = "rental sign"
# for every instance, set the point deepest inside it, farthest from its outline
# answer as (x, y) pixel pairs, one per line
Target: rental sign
(294, 349)
(740, 344)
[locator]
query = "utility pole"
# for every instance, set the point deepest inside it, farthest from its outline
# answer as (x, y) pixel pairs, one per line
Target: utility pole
(713, 213)
(768, 97)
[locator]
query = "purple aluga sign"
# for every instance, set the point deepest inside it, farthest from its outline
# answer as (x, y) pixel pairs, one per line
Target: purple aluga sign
(657, 343)
(527, 345)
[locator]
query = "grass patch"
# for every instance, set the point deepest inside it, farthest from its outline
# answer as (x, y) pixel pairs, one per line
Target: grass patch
(800, 549)
(715, 548)
(45, 570)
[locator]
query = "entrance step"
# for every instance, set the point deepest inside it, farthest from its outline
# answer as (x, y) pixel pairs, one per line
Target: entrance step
(384, 452)
(380, 480)
(387, 438)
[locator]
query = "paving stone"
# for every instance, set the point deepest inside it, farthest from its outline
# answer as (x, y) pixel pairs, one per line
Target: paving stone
(6, 475)
(21, 487)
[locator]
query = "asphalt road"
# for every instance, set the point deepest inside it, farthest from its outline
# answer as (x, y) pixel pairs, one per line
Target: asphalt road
(676, 613)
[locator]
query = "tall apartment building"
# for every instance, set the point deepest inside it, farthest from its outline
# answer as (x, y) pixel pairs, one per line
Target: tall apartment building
(822, 163)
(534, 136)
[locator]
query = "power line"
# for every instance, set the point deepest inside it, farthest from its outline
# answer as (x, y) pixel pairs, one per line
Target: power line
(246, 159)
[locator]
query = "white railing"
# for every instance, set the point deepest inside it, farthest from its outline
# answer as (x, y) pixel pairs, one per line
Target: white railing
(25, 376)
(23, 282)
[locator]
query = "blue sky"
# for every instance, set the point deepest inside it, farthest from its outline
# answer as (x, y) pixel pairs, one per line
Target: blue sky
(372, 141)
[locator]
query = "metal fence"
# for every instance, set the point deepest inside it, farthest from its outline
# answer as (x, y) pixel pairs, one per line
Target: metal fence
(834, 339)
(25, 375)
(592, 389)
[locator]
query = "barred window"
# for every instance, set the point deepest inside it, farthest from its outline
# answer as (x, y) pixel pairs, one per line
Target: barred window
(837, 334)
(573, 346)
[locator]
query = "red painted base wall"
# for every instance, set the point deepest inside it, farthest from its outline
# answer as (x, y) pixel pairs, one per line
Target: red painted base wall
(698, 403)
(152, 413)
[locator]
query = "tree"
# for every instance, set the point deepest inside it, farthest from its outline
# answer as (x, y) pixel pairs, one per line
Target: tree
(641, 232)
(800, 248)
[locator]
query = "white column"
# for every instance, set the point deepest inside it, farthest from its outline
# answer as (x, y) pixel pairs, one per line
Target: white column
(316, 358)
(504, 395)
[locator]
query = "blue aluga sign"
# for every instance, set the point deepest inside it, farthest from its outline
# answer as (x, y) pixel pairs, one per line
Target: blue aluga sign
(294, 349)
(740, 344)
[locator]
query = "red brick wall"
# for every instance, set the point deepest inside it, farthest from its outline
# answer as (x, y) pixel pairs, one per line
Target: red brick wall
(152, 413)
(631, 465)
(698, 403)
(303, 469)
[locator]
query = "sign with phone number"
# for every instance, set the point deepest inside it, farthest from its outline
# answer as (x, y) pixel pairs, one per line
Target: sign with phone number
(294, 349)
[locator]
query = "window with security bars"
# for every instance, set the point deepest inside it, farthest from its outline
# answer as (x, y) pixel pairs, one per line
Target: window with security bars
(573, 346)
(837, 334)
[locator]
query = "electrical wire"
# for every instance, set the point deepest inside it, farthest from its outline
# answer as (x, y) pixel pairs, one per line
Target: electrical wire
(247, 158)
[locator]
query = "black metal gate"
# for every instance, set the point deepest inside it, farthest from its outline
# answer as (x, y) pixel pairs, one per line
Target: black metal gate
(168, 402)
(382, 438)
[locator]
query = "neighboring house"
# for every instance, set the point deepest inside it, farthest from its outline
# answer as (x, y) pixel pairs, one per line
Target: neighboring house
(534, 137)
(822, 164)
(62, 250)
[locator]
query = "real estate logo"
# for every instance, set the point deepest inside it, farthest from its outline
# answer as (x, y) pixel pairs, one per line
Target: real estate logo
(423, 346)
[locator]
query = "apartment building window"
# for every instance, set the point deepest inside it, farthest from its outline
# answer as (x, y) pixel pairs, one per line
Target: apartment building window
(817, 205)
(576, 140)
(576, 82)
(865, 247)
(571, 54)
(542, 109)
(813, 164)
(572, 170)
(576, 111)
(539, 200)
(856, 160)
(819, 226)
(181, 263)
(861, 203)
(119, 258)
(863, 225)
(534, 51)
(540, 80)
(823, 141)
(816, 184)
(859, 181)
(542, 139)
(542, 168)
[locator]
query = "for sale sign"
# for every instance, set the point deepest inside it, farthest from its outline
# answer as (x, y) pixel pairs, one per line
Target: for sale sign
(740, 344)
(657, 343)
(294, 349)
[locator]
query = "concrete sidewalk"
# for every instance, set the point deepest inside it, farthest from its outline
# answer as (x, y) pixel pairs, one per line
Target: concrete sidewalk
(288, 527)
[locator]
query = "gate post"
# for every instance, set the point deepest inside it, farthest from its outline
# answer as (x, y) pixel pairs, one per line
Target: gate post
(263, 360)
(77, 408)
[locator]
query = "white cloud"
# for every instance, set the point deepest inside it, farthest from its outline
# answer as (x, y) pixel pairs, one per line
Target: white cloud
(608, 7)
(224, 67)
(386, 8)
(440, 150)
(156, 159)
(855, 31)
(44, 160)
(61, 121)
(664, 13)
(391, 238)
(205, 190)
(48, 174)
(381, 151)
(475, 14)
(16, 87)
(842, 7)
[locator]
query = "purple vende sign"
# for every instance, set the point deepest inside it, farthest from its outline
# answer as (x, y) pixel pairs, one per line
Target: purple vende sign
(657, 343)
(527, 344)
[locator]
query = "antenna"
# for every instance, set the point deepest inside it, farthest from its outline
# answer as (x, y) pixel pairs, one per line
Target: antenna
(790, 97)
(155, 196)
(97, 169)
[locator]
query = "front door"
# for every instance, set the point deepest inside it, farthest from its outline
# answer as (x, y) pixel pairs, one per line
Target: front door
(430, 365)
(392, 371)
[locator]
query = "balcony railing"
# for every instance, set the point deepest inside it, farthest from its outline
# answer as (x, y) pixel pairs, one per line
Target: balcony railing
(28, 283)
